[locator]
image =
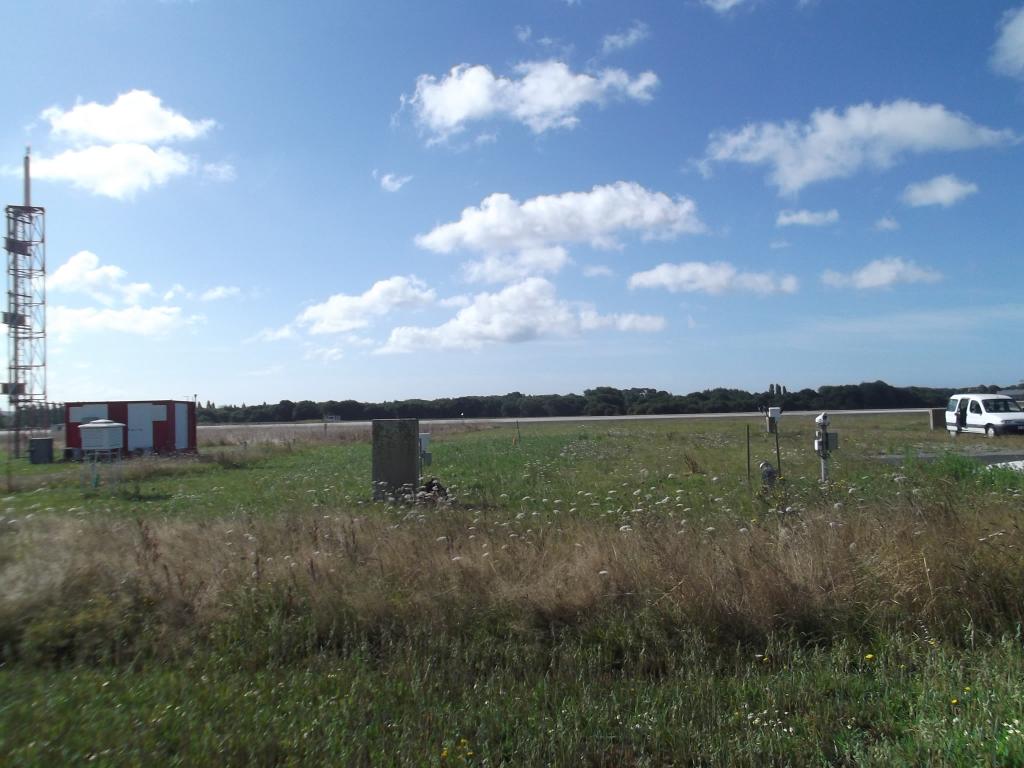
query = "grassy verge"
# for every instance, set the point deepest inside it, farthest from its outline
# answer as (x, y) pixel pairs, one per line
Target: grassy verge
(461, 701)
(601, 596)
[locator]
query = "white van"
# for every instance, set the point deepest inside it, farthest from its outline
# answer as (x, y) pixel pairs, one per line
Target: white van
(987, 414)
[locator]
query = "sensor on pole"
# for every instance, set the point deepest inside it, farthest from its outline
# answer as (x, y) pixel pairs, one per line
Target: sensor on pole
(824, 442)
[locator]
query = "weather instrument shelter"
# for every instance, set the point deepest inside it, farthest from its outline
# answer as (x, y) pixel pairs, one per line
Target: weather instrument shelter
(149, 426)
(102, 437)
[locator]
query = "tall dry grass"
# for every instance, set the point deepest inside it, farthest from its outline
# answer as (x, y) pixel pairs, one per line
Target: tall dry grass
(77, 588)
(209, 435)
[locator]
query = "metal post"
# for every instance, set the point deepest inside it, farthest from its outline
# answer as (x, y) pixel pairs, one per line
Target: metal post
(8, 468)
(748, 454)
(778, 454)
(824, 442)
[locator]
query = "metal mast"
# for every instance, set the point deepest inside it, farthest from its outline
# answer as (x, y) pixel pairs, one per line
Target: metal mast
(25, 318)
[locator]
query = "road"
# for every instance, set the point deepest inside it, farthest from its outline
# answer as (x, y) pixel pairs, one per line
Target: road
(364, 425)
(571, 419)
(985, 457)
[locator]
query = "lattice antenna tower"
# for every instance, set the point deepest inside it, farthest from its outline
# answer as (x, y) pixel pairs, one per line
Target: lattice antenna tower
(25, 318)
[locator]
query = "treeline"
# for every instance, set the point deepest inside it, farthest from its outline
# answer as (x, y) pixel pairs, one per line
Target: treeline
(36, 416)
(600, 401)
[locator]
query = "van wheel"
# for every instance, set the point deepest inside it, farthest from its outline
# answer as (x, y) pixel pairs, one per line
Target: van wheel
(990, 431)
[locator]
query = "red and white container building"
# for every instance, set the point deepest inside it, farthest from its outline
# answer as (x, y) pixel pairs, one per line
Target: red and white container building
(150, 426)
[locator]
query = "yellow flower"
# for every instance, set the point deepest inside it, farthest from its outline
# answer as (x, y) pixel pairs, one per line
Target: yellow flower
(954, 700)
(869, 656)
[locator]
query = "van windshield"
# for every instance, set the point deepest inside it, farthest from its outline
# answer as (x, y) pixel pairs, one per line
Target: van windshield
(1000, 406)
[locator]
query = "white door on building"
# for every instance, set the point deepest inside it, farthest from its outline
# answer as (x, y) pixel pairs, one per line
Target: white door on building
(180, 426)
(140, 424)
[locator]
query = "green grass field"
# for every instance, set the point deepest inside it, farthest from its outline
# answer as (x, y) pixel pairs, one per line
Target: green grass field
(600, 593)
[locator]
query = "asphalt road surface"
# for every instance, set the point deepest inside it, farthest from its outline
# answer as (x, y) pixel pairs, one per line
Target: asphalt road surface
(570, 419)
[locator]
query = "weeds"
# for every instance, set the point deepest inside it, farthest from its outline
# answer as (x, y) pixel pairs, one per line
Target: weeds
(819, 575)
(583, 598)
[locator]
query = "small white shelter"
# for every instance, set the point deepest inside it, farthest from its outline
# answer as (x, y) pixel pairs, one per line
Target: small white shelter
(102, 435)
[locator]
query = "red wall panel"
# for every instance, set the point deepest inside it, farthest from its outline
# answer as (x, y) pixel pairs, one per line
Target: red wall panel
(117, 410)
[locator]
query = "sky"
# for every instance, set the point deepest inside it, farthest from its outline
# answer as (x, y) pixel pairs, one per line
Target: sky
(254, 201)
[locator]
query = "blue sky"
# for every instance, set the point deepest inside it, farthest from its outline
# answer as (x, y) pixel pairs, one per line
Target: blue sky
(252, 201)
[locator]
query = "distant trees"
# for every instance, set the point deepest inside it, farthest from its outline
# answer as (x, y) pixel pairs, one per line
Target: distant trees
(604, 401)
(306, 410)
(599, 401)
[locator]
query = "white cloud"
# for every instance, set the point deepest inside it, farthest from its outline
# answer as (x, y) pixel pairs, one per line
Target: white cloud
(273, 334)
(805, 218)
(117, 150)
(174, 291)
(942, 190)
(723, 6)
(497, 268)
(220, 292)
(882, 273)
(107, 284)
(67, 322)
(544, 96)
(502, 224)
(887, 224)
(118, 171)
(323, 354)
(597, 270)
(343, 312)
(392, 183)
(523, 34)
(220, 172)
(83, 273)
(551, 43)
(520, 312)
(714, 278)
(778, 245)
(1008, 53)
(838, 144)
(590, 320)
(618, 42)
(455, 301)
(135, 117)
